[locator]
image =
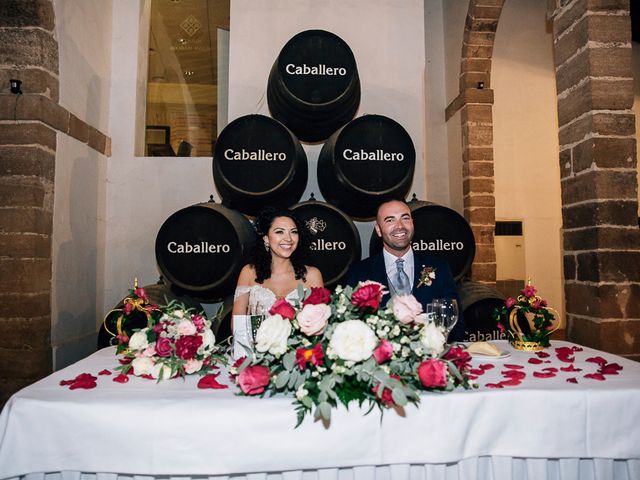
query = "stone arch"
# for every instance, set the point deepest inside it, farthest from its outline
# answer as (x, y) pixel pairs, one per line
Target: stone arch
(475, 103)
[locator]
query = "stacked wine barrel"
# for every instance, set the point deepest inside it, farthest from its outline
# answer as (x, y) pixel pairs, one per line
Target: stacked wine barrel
(313, 93)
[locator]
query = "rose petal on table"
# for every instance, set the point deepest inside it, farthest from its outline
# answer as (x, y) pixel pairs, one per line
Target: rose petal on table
(104, 372)
(595, 376)
(535, 361)
(512, 382)
(64, 383)
(564, 350)
(147, 376)
(610, 369)
(514, 374)
(575, 348)
(493, 385)
(486, 366)
(476, 371)
(544, 374)
(473, 377)
(572, 380)
(570, 368)
(599, 360)
(85, 377)
(124, 361)
(550, 369)
(209, 381)
(566, 358)
(542, 354)
(121, 378)
(513, 366)
(84, 384)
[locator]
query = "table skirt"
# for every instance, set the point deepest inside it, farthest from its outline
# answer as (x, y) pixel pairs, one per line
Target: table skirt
(480, 468)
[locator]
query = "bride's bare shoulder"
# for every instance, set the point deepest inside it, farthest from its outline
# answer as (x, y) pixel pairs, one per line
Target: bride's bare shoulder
(247, 275)
(314, 277)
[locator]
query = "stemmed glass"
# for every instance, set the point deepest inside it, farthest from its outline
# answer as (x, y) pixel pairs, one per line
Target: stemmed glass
(447, 313)
(256, 315)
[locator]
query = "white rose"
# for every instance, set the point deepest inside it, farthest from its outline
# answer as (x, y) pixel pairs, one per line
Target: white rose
(353, 340)
(192, 365)
(159, 367)
(313, 318)
(142, 365)
(186, 327)
(208, 341)
(138, 340)
(433, 339)
(272, 335)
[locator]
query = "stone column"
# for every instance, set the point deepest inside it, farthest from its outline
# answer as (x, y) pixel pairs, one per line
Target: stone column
(592, 46)
(27, 158)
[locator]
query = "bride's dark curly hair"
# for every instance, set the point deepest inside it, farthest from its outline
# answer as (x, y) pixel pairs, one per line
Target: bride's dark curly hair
(260, 257)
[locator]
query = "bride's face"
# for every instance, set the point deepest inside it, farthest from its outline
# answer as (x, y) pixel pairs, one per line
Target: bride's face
(282, 237)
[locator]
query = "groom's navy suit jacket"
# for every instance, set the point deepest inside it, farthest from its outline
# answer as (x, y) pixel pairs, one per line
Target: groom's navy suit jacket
(443, 285)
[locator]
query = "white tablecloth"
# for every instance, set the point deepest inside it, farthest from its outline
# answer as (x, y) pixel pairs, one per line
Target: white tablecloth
(543, 428)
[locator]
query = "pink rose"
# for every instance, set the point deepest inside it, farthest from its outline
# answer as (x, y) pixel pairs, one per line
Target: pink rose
(187, 347)
(254, 379)
(185, 327)
(406, 308)
(510, 302)
(433, 373)
(529, 291)
(192, 366)
(383, 352)
(313, 318)
(163, 347)
(283, 308)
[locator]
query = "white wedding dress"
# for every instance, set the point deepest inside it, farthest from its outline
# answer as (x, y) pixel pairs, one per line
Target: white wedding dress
(261, 298)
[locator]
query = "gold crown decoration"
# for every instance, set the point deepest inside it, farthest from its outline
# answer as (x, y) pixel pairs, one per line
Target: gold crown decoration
(527, 320)
(135, 313)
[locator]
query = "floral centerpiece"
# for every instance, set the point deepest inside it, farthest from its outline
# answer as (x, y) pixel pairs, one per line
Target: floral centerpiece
(175, 342)
(329, 349)
(136, 309)
(527, 321)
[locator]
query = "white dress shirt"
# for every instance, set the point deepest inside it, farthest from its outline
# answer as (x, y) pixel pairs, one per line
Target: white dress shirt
(392, 268)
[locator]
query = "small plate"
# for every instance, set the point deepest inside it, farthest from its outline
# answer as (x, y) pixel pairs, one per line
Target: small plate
(503, 354)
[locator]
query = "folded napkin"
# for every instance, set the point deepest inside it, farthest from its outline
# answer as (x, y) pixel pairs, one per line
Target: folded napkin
(484, 348)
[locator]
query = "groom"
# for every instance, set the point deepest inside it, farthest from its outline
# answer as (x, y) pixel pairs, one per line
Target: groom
(401, 269)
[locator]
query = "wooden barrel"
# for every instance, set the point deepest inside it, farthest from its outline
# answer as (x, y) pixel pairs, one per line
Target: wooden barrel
(440, 232)
(158, 294)
(335, 242)
(478, 302)
(313, 86)
(257, 161)
(368, 161)
(202, 248)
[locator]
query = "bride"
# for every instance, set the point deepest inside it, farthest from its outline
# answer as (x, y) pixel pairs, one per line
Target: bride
(276, 266)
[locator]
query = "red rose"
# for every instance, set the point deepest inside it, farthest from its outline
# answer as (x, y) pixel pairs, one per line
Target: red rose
(460, 358)
(433, 373)
(314, 355)
(163, 347)
(383, 352)
(318, 295)
(387, 397)
(254, 379)
(368, 295)
(187, 346)
(139, 292)
(509, 302)
(283, 308)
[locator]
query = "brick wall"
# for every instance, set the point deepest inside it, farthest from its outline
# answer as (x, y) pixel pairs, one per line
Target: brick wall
(592, 47)
(29, 125)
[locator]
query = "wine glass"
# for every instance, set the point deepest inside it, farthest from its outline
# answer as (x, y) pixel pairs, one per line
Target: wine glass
(448, 313)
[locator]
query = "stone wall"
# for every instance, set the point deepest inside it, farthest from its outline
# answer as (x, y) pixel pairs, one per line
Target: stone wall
(592, 44)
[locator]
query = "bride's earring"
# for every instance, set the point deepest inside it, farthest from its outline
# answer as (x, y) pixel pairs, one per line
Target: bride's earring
(266, 246)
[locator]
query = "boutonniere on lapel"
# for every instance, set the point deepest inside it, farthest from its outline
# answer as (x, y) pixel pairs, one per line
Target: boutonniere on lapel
(427, 276)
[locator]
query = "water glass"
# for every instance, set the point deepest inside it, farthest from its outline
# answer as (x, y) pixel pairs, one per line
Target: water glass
(448, 310)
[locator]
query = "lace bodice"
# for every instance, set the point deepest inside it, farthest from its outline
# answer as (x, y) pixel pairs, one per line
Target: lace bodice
(261, 298)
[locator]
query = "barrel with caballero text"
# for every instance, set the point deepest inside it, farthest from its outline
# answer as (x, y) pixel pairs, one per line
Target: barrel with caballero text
(202, 248)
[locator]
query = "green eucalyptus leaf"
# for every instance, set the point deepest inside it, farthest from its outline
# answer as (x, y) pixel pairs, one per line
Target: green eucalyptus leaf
(325, 410)
(282, 379)
(399, 396)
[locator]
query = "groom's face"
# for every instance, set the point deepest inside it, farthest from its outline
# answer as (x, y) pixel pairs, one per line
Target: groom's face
(394, 225)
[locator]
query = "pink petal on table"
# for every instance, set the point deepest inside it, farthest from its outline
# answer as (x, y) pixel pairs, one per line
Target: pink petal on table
(543, 354)
(104, 372)
(84, 384)
(514, 374)
(610, 369)
(599, 360)
(544, 374)
(513, 366)
(535, 361)
(493, 385)
(575, 348)
(550, 369)
(209, 381)
(595, 376)
(570, 368)
(512, 382)
(486, 366)
(476, 371)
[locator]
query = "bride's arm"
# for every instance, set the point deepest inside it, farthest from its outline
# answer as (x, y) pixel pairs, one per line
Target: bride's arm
(241, 297)
(314, 278)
